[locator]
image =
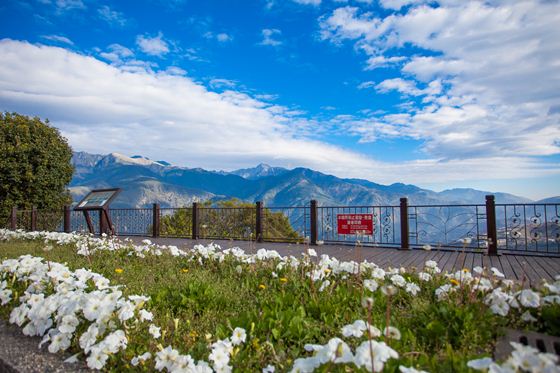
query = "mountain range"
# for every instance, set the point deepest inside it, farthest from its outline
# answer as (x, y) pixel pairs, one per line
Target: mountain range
(145, 181)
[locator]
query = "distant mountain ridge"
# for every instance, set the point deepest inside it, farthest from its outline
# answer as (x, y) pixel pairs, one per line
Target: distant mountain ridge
(145, 181)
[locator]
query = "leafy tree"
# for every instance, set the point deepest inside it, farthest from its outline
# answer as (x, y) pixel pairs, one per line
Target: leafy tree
(228, 219)
(35, 164)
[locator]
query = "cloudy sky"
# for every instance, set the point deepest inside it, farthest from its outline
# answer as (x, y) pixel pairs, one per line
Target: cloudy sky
(440, 94)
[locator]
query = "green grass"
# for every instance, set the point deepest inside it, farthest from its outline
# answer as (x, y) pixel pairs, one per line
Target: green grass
(195, 304)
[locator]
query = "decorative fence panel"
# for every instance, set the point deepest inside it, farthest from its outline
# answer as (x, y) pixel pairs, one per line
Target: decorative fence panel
(386, 225)
(235, 223)
(285, 224)
(176, 222)
(450, 226)
(132, 222)
(529, 228)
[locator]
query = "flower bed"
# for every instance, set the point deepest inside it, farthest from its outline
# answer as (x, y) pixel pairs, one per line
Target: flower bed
(148, 307)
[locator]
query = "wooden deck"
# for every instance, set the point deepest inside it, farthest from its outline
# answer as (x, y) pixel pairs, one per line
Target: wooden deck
(528, 269)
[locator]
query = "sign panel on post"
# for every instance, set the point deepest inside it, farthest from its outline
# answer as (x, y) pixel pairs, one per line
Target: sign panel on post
(355, 224)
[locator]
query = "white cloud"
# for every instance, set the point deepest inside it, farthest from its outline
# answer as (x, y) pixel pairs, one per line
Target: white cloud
(58, 39)
(493, 70)
(308, 2)
(377, 62)
(221, 83)
(223, 37)
(69, 4)
(398, 4)
(270, 37)
(117, 53)
(104, 108)
(111, 16)
(154, 46)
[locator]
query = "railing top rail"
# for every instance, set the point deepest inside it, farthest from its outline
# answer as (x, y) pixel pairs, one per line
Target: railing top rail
(527, 204)
(227, 208)
(450, 205)
(130, 208)
(284, 207)
(359, 207)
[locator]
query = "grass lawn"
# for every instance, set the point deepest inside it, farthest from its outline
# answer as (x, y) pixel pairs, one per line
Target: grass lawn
(198, 300)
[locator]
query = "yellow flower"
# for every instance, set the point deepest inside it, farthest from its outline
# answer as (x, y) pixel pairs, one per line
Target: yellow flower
(193, 334)
(184, 270)
(119, 270)
(283, 279)
(465, 270)
(262, 286)
(454, 282)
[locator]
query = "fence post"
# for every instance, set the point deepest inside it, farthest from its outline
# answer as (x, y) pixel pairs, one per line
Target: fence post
(492, 234)
(33, 218)
(155, 221)
(195, 221)
(259, 221)
(13, 219)
(67, 217)
(404, 224)
(313, 222)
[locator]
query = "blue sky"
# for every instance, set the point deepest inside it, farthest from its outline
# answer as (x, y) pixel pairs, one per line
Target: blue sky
(438, 94)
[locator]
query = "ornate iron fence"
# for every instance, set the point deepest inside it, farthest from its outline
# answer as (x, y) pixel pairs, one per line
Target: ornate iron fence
(236, 223)
(176, 222)
(528, 228)
(285, 224)
(386, 225)
(532, 229)
(132, 222)
(450, 226)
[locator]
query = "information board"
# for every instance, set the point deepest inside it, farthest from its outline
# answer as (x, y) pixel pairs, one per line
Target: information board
(97, 199)
(355, 224)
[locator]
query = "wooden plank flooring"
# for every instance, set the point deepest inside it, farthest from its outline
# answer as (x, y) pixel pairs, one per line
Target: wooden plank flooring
(529, 269)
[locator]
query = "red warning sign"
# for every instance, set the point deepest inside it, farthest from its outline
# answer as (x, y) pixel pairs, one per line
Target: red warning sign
(355, 224)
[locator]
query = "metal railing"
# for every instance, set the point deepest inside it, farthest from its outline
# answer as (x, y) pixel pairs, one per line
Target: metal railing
(530, 229)
(450, 226)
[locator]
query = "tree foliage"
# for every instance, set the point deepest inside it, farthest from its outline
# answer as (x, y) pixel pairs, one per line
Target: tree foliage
(228, 219)
(35, 164)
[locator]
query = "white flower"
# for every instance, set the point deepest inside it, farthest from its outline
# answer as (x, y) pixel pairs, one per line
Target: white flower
(269, 369)
(424, 276)
(324, 285)
(5, 296)
(496, 272)
(404, 369)
(398, 280)
(381, 354)
(529, 298)
(431, 264)
(146, 315)
(392, 332)
(412, 288)
(527, 317)
(480, 364)
(355, 329)
(371, 285)
(89, 338)
(427, 247)
(60, 342)
(311, 252)
(154, 331)
(166, 358)
(69, 324)
(389, 290)
(141, 358)
(378, 273)
(239, 336)
(478, 269)
(97, 358)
